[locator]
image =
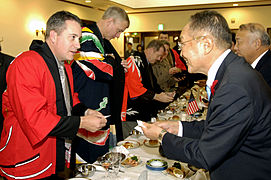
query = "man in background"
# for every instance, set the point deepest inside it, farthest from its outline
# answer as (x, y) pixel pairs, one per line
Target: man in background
(253, 43)
(99, 80)
(143, 97)
(166, 81)
(42, 113)
(236, 134)
(5, 60)
(178, 64)
(129, 51)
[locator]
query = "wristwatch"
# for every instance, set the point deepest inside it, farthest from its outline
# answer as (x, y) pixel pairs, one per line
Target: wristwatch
(161, 134)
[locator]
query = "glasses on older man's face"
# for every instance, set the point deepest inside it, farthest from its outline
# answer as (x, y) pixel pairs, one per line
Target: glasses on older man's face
(182, 44)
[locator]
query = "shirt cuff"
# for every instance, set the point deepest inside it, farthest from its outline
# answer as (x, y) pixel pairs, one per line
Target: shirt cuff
(180, 132)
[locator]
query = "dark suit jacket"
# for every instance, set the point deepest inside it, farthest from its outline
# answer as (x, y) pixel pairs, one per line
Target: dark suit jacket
(264, 67)
(234, 142)
(144, 104)
(4, 63)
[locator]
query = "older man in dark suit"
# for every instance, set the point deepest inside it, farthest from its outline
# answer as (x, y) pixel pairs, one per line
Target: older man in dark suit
(234, 142)
(253, 43)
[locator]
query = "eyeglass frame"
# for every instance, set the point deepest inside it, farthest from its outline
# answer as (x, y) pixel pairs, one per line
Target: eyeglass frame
(181, 44)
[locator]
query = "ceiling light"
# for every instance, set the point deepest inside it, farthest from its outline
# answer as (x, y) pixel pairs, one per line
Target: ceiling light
(235, 5)
(87, 1)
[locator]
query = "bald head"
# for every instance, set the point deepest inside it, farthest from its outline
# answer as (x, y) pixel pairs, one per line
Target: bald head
(113, 22)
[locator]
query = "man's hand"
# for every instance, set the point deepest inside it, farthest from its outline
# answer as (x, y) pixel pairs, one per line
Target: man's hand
(174, 70)
(124, 63)
(171, 94)
(169, 126)
(91, 112)
(92, 121)
(151, 131)
(163, 97)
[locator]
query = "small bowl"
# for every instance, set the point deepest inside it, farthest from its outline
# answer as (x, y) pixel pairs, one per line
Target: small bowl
(85, 169)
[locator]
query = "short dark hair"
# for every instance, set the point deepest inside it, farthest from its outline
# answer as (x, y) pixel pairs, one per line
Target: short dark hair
(258, 31)
(129, 43)
(116, 13)
(163, 32)
(215, 24)
(156, 45)
(57, 22)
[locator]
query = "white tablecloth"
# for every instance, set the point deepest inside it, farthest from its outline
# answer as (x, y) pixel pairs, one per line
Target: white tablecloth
(145, 153)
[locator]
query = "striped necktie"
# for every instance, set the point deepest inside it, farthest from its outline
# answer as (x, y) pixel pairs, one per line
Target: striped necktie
(208, 90)
(65, 88)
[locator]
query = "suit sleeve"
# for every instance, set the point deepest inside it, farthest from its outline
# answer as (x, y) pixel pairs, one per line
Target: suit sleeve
(227, 127)
(193, 129)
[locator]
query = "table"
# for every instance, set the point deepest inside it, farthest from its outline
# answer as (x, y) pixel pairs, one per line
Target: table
(146, 153)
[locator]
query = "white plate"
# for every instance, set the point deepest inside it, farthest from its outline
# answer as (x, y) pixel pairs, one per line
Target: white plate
(147, 143)
(128, 165)
(129, 144)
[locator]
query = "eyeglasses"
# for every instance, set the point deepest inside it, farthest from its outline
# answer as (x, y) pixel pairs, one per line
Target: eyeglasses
(181, 44)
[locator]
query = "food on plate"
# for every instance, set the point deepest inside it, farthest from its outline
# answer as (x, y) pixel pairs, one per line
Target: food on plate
(177, 165)
(176, 117)
(153, 142)
(131, 161)
(128, 145)
(175, 172)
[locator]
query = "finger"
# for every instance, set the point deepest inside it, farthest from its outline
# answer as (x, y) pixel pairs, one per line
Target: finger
(147, 125)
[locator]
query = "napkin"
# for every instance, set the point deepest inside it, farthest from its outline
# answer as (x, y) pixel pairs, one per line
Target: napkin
(139, 125)
(143, 175)
(121, 149)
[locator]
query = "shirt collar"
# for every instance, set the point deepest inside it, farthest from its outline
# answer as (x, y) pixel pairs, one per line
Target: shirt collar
(215, 66)
(254, 64)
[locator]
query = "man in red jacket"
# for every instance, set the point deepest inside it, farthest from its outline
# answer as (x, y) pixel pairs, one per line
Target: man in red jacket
(41, 111)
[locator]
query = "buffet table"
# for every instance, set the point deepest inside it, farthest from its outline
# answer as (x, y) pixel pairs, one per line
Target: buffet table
(146, 153)
(175, 111)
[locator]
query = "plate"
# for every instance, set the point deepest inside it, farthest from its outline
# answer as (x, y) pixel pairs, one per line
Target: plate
(147, 143)
(156, 164)
(129, 144)
(137, 161)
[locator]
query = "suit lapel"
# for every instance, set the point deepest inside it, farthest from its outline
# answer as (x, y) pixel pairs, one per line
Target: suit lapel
(220, 74)
(262, 60)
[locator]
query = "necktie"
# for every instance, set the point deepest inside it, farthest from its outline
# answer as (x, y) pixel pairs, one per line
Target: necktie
(208, 90)
(65, 88)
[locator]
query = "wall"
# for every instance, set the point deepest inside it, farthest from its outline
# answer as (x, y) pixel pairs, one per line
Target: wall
(16, 15)
(177, 19)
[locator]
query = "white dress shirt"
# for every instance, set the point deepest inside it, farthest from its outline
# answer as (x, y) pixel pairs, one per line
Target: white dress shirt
(254, 64)
(211, 77)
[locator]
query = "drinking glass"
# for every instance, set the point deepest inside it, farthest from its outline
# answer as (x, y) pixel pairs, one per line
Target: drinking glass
(116, 160)
(106, 163)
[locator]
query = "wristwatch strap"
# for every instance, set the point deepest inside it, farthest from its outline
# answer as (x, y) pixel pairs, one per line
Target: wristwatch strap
(161, 134)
